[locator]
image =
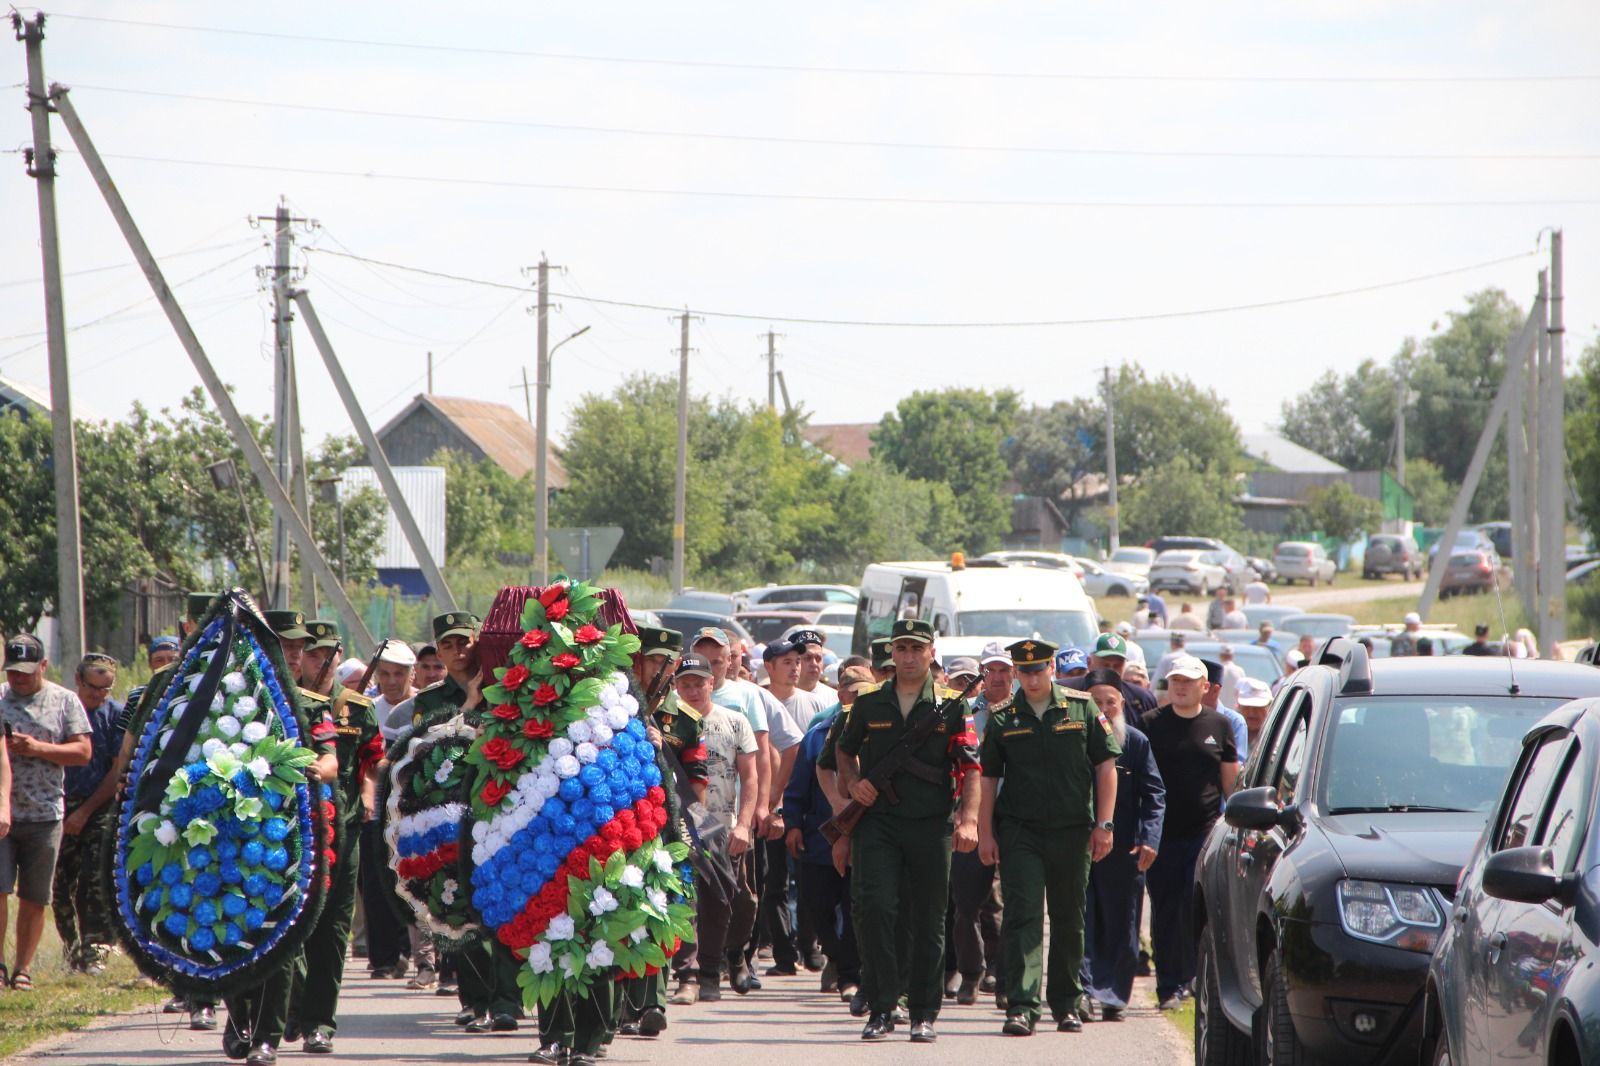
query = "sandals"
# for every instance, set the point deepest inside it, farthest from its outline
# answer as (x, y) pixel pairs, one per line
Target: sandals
(5, 977)
(22, 982)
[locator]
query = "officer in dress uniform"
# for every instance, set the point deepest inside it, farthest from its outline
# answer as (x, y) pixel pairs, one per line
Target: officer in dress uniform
(1053, 750)
(900, 850)
(319, 972)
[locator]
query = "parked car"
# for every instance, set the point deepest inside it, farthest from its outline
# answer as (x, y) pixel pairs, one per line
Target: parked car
(1235, 566)
(1469, 571)
(837, 616)
(1323, 890)
(1130, 560)
(1468, 540)
(1320, 626)
(1204, 544)
(835, 638)
(702, 600)
(1098, 581)
(773, 595)
(1049, 560)
(1303, 560)
(686, 622)
(1263, 567)
(1513, 978)
(1391, 554)
(1499, 534)
(1186, 570)
(1270, 612)
(1256, 660)
(768, 626)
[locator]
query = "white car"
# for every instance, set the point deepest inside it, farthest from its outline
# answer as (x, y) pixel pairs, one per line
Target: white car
(1186, 570)
(773, 597)
(837, 616)
(1098, 581)
(1132, 560)
(1303, 560)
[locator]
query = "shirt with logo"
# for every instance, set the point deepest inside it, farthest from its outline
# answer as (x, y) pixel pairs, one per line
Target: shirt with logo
(726, 736)
(1046, 757)
(1190, 752)
(55, 715)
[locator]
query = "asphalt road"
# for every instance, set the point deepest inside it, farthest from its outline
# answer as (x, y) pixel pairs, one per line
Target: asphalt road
(788, 1021)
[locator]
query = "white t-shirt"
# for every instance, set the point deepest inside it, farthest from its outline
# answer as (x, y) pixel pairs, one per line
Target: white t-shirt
(743, 697)
(393, 718)
(1187, 622)
(726, 735)
(1232, 674)
(1235, 619)
(1257, 592)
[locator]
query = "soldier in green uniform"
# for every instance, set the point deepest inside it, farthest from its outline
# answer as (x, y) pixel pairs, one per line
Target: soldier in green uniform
(319, 971)
(1056, 756)
(882, 660)
(900, 850)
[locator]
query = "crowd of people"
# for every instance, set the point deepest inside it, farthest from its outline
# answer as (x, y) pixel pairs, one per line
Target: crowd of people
(897, 825)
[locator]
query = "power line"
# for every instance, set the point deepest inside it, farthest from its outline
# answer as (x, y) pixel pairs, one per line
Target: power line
(846, 142)
(843, 198)
(86, 271)
(903, 72)
(1096, 321)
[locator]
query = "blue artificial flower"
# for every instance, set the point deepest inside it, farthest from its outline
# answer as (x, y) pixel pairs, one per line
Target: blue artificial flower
(274, 799)
(275, 829)
(227, 849)
(273, 895)
(600, 796)
(244, 783)
(177, 924)
(652, 775)
(277, 860)
(542, 843)
(327, 791)
(554, 807)
(563, 844)
(199, 858)
(253, 918)
(253, 852)
(183, 812)
(208, 884)
(607, 761)
(180, 896)
(196, 771)
(230, 872)
(604, 813)
(566, 826)
(232, 934)
(210, 799)
(145, 874)
(583, 810)
(205, 912)
(233, 904)
(635, 729)
(547, 865)
(571, 789)
(171, 874)
(618, 782)
(202, 939)
(152, 900)
(256, 885)
(591, 775)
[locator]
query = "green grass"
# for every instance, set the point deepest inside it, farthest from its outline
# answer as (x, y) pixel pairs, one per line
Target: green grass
(1183, 1018)
(62, 1002)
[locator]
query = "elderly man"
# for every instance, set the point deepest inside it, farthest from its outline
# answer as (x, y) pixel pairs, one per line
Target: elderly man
(82, 913)
(1232, 617)
(1116, 883)
(974, 903)
(1232, 672)
(48, 730)
(1405, 642)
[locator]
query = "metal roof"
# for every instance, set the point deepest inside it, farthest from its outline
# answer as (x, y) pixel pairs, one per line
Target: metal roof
(495, 429)
(1281, 453)
(422, 487)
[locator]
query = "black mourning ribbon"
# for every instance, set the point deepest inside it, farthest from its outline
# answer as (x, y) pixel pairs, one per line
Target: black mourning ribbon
(153, 783)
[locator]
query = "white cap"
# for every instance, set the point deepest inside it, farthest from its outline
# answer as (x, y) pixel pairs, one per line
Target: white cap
(397, 652)
(1226, 650)
(1294, 660)
(1124, 629)
(1187, 666)
(1413, 618)
(994, 652)
(1251, 693)
(349, 671)
(1135, 653)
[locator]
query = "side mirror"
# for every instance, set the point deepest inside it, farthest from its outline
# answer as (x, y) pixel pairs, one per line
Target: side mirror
(1525, 875)
(1254, 808)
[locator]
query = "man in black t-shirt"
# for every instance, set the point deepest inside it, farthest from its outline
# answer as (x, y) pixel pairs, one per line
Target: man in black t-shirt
(1194, 750)
(1480, 642)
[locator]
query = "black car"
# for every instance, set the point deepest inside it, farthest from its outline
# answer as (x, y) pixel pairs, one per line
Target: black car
(1514, 978)
(1321, 893)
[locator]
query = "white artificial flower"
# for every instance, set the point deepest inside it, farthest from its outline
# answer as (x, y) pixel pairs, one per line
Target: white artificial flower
(144, 819)
(233, 682)
(254, 732)
(167, 834)
(617, 719)
(238, 750)
(546, 784)
(195, 753)
(219, 702)
(601, 734)
(447, 894)
(603, 902)
(600, 955)
(663, 860)
(629, 704)
(561, 927)
(259, 768)
(560, 746)
(446, 768)
(211, 747)
(480, 831)
(195, 679)
(567, 968)
(608, 697)
(587, 753)
(539, 958)
(638, 935)
(161, 741)
(245, 707)
(657, 898)
(578, 732)
(632, 876)
(568, 766)
(228, 726)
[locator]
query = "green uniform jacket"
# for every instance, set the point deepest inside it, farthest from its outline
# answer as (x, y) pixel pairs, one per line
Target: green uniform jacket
(1047, 761)
(359, 746)
(875, 725)
(681, 726)
(446, 695)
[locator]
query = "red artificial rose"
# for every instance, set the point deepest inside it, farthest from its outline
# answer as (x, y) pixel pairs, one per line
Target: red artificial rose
(538, 729)
(588, 634)
(656, 794)
(495, 748)
(508, 711)
(551, 594)
(534, 639)
(545, 695)
(509, 758)
(557, 610)
(494, 792)
(632, 839)
(515, 676)
(327, 810)
(565, 661)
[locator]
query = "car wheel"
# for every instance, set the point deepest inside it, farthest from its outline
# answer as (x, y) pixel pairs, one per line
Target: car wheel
(1118, 590)
(1216, 1041)
(1280, 1043)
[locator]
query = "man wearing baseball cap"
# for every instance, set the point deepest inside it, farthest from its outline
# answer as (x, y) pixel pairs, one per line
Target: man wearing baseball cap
(785, 661)
(1194, 750)
(1111, 653)
(813, 660)
(1252, 698)
(1071, 664)
(1405, 642)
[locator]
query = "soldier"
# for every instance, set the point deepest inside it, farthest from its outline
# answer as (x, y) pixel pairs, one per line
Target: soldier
(882, 660)
(900, 850)
(319, 971)
(1052, 747)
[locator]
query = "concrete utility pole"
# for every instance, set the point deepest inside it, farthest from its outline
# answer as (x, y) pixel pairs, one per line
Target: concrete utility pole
(527, 395)
(772, 372)
(783, 388)
(41, 163)
(430, 373)
(541, 462)
(276, 494)
(1525, 506)
(1552, 470)
(283, 398)
(680, 492)
(1113, 534)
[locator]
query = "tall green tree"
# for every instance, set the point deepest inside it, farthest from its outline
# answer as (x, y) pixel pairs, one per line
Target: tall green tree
(1178, 497)
(1336, 511)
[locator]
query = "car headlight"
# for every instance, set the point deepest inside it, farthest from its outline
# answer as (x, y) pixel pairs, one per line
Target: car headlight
(1403, 916)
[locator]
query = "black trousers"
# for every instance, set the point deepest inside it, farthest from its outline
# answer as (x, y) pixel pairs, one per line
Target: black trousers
(1111, 925)
(1170, 881)
(825, 898)
(724, 928)
(772, 870)
(386, 934)
(976, 921)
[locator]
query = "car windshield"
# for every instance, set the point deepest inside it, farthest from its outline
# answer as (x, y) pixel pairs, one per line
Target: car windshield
(1132, 555)
(767, 628)
(1424, 753)
(1062, 628)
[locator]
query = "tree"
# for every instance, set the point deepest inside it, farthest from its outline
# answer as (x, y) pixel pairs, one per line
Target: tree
(1178, 498)
(1336, 511)
(1158, 420)
(954, 437)
(1349, 420)
(1433, 495)
(1583, 438)
(487, 511)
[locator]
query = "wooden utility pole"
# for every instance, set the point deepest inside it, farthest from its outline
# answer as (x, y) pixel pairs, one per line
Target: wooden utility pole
(41, 163)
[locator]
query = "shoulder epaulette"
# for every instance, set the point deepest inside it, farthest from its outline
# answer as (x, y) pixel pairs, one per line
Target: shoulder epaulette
(429, 688)
(312, 697)
(689, 712)
(358, 699)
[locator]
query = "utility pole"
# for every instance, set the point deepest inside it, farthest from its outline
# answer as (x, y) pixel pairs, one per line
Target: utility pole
(527, 395)
(1552, 470)
(430, 373)
(783, 387)
(1400, 430)
(41, 164)
(541, 487)
(284, 420)
(1113, 534)
(680, 493)
(772, 372)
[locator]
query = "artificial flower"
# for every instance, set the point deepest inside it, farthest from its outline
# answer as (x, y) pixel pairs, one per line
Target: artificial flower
(565, 661)
(632, 876)
(514, 676)
(538, 729)
(534, 639)
(544, 695)
(588, 634)
(561, 927)
(506, 711)
(557, 610)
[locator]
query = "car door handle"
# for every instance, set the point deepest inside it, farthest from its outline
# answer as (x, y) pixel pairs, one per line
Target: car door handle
(1497, 944)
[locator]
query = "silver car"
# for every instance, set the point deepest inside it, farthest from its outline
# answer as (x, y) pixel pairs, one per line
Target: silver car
(1303, 560)
(1098, 581)
(1187, 570)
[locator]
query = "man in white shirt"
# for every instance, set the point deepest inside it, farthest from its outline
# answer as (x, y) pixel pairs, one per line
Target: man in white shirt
(1232, 617)
(813, 661)
(1232, 672)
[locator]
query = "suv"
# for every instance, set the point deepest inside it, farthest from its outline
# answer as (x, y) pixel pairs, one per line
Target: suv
(1303, 560)
(1324, 888)
(1389, 554)
(1198, 544)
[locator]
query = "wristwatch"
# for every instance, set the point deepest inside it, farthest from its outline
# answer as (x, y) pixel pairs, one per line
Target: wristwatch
(1110, 827)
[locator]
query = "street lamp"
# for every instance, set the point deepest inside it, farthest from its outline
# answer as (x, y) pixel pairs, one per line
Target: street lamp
(225, 476)
(329, 486)
(541, 487)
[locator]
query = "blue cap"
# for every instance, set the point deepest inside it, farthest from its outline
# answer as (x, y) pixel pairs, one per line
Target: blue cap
(1069, 659)
(165, 642)
(778, 648)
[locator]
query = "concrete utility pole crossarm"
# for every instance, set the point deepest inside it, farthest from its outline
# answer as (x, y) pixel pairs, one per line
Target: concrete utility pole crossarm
(41, 160)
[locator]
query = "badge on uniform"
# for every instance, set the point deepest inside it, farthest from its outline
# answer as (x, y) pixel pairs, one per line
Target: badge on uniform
(1104, 724)
(1023, 732)
(880, 725)
(1068, 727)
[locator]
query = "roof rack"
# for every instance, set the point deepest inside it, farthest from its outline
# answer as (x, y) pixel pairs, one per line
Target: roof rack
(1350, 658)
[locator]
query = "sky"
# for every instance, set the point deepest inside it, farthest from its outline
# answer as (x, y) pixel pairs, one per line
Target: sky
(1022, 163)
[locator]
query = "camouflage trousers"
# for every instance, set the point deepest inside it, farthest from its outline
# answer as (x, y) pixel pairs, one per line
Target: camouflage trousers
(79, 902)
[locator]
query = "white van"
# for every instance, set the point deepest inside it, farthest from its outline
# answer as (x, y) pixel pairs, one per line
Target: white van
(971, 603)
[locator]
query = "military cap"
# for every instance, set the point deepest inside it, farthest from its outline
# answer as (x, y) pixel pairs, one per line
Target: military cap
(880, 653)
(289, 625)
(1031, 655)
(663, 642)
(456, 624)
(1111, 645)
(324, 633)
(197, 604)
(912, 629)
